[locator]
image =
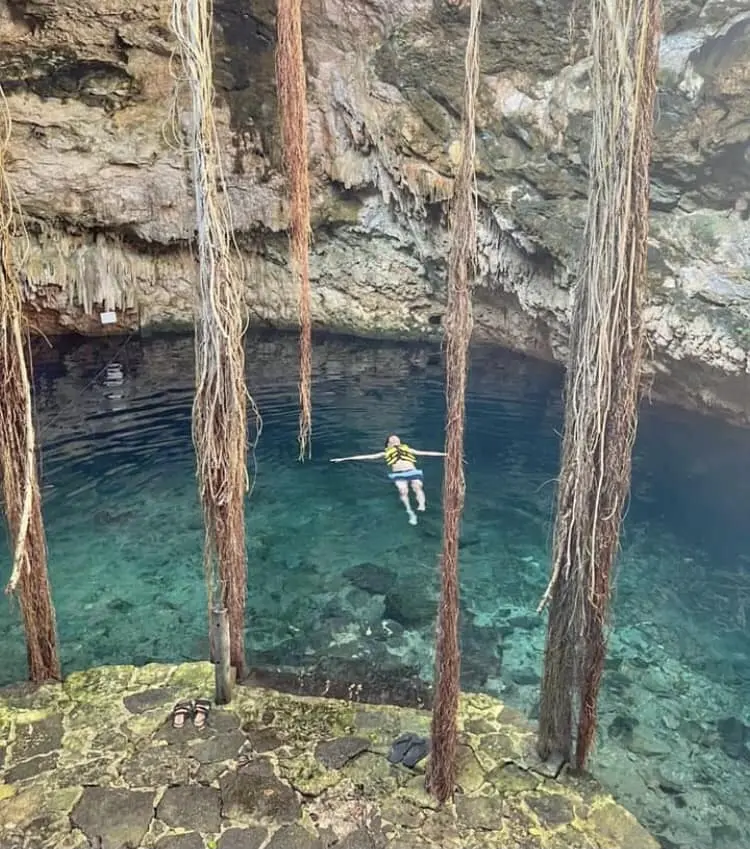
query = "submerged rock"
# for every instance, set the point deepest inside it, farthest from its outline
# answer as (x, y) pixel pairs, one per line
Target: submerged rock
(384, 84)
(622, 727)
(411, 603)
(734, 735)
(374, 579)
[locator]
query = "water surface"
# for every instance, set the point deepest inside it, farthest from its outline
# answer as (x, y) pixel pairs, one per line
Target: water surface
(340, 583)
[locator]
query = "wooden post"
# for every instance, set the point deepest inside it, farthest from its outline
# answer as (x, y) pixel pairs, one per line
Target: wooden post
(219, 642)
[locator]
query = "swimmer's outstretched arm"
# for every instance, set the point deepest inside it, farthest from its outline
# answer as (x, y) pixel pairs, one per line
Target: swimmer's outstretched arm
(378, 456)
(429, 453)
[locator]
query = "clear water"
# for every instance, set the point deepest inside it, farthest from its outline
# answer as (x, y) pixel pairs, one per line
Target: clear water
(339, 581)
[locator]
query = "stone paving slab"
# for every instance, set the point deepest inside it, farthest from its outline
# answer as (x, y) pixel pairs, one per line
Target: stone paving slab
(94, 763)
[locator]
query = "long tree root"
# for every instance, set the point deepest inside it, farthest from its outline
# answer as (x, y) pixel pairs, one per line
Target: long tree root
(292, 93)
(441, 778)
(603, 381)
(20, 484)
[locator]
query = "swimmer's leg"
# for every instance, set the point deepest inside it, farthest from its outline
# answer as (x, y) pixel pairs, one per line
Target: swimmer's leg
(403, 494)
(418, 488)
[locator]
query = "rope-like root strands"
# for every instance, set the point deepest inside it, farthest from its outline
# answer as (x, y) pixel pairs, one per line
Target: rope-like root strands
(292, 95)
(441, 779)
(20, 484)
(603, 382)
(220, 403)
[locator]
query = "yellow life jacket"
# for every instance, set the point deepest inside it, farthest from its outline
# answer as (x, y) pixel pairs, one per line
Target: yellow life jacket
(394, 453)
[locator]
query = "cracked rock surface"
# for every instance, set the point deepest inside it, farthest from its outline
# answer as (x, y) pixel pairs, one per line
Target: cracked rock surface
(272, 771)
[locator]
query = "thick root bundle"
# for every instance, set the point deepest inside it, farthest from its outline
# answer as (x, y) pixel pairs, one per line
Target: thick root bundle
(603, 381)
(292, 94)
(20, 484)
(441, 780)
(220, 403)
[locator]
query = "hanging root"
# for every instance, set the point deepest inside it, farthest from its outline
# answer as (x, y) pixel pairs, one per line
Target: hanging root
(292, 94)
(20, 485)
(441, 780)
(221, 397)
(602, 390)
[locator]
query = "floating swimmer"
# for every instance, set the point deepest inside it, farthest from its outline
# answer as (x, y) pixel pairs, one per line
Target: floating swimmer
(402, 462)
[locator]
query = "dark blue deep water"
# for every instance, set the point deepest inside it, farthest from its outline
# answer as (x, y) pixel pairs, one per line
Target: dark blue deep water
(339, 581)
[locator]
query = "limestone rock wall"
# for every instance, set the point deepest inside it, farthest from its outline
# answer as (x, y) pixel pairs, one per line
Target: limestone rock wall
(98, 169)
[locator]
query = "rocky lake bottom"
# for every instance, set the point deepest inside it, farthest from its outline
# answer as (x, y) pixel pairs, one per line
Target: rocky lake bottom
(341, 584)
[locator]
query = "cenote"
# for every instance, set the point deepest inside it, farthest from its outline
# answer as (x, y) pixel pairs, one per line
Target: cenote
(340, 583)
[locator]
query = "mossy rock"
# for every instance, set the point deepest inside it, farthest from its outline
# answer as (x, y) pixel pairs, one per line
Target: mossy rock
(109, 729)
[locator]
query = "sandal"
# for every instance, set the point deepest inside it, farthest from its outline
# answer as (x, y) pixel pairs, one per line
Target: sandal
(180, 712)
(200, 716)
(409, 749)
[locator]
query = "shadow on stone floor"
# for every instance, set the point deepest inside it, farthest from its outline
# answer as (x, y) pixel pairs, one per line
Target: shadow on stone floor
(95, 762)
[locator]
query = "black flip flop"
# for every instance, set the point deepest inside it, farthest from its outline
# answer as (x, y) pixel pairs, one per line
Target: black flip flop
(409, 749)
(200, 717)
(399, 748)
(418, 750)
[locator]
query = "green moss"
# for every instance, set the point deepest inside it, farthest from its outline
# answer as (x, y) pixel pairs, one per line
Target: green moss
(509, 778)
(309, 718)
(97, 685)
(198, 677)
(307, 775)
(374, 771)
(471, 775)
(614, 827)
(414, 791)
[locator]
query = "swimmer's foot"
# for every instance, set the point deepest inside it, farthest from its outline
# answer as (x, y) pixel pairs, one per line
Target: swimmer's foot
(412, 518)
(421, 507)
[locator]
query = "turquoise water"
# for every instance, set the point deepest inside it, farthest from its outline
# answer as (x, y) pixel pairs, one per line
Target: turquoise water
(341, 583)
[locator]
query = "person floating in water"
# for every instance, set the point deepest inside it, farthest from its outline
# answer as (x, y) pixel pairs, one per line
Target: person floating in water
(401, 460)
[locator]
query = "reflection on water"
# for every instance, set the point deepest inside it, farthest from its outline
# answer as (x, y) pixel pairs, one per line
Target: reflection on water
(339, 582)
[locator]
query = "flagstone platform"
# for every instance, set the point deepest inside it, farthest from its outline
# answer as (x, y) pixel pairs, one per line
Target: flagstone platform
(94, 762)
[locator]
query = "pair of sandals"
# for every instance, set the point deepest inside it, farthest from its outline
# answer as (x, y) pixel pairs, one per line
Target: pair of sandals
(198, 709)
(409, 749)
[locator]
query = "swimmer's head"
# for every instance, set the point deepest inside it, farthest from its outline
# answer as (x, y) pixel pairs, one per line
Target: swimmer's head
(392, 440)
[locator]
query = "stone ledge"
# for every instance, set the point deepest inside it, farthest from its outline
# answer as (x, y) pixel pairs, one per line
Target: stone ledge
(95, 762)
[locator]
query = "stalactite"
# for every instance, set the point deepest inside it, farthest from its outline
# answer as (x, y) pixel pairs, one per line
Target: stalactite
(20, 485)
(90, 269)
(441, 778)
(603, 382)
(292, 93)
